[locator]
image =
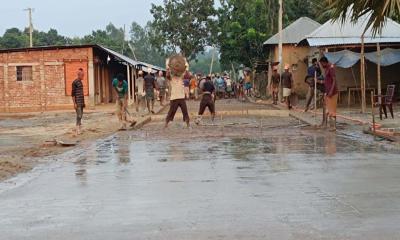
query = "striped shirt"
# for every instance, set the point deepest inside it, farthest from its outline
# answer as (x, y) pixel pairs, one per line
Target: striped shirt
(77, 92)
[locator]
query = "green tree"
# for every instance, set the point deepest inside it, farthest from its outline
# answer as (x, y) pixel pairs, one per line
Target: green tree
(145, 51)
(202, 63)
(112, 37)
(14, 38)
(184, 25)
(243, 27)
(51, 38)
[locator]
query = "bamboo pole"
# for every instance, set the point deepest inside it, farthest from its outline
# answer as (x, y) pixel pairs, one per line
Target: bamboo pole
(378, 47)
(373, 113)
(128, 76)
(362, 72)
(315, 97)
(280, 46)
(212, 61)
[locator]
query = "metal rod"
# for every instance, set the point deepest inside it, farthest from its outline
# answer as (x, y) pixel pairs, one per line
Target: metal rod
(315, 97)
(373, 112)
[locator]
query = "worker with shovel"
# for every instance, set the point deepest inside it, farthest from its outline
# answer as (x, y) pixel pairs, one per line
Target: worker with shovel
(120, 86)
(207, 101)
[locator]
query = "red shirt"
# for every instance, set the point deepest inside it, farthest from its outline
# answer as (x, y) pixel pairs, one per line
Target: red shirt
(330, 81)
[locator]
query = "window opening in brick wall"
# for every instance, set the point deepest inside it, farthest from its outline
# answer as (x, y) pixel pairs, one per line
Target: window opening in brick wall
(24, 73)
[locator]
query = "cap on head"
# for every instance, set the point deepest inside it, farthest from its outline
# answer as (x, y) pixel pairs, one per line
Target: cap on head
(287, 67)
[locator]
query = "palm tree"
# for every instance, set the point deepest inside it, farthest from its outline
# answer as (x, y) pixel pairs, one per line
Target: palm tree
(378, 10)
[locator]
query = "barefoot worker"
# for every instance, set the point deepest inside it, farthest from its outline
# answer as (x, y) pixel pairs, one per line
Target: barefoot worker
(120, 86)
(275, 81)
(287, 83)
(79, 99)
(140, 94)
(176, 67)
(331, 92)
(161, 86)
(149, 87)
(207, 101)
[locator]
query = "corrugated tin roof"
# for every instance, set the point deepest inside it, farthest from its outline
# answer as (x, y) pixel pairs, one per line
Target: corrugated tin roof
(295, 32)
(130, 61)
(121, 57)
(336, 33)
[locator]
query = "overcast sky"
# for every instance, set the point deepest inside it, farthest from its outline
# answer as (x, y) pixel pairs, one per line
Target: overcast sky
(75, 17)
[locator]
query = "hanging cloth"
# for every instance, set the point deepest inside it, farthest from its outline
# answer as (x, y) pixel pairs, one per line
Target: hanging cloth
(343, 59)
(389, 56)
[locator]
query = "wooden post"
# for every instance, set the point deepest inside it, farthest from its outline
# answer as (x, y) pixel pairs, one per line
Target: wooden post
(315, 97)
(128, 78)
(373, 112)
(378, 47)
(269, 75)
(212, 61)
(362, 72)
(280, 46)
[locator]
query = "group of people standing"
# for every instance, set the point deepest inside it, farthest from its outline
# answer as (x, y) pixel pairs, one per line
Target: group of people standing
(324, 85)
(180, 85)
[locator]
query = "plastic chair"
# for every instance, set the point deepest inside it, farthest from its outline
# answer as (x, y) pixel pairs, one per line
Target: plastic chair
(383, 101)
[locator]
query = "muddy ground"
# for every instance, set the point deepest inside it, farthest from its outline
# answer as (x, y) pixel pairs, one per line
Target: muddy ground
(25, 139)
(240, 177)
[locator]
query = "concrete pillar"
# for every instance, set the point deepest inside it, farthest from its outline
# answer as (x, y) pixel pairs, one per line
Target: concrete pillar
(128, 78)
(6, 93)
(92, 91)
(43, 92)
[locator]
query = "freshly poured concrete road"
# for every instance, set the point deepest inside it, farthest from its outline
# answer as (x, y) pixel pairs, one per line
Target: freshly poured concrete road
(211, 182)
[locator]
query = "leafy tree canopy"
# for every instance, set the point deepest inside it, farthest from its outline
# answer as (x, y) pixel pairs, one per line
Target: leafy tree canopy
(184, 25)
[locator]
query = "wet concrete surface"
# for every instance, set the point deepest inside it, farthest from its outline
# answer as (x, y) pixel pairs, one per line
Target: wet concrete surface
(260, 178)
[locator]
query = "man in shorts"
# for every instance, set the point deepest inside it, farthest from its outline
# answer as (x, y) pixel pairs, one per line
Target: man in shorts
(207, 101)
(120, 86)
(247, 82)
(149, 86)
(162, 86)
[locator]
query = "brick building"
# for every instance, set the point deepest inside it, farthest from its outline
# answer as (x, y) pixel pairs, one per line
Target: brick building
(40, 79)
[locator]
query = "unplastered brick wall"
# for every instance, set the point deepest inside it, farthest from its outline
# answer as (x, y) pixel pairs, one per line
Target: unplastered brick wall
(2, 104)
(47, 88)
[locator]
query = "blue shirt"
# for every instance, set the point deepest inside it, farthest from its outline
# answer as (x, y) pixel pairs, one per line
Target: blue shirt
(311, 71)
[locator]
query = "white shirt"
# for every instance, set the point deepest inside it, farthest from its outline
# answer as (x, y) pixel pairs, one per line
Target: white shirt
(177, 89)
(228, 82)
(139, 84)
